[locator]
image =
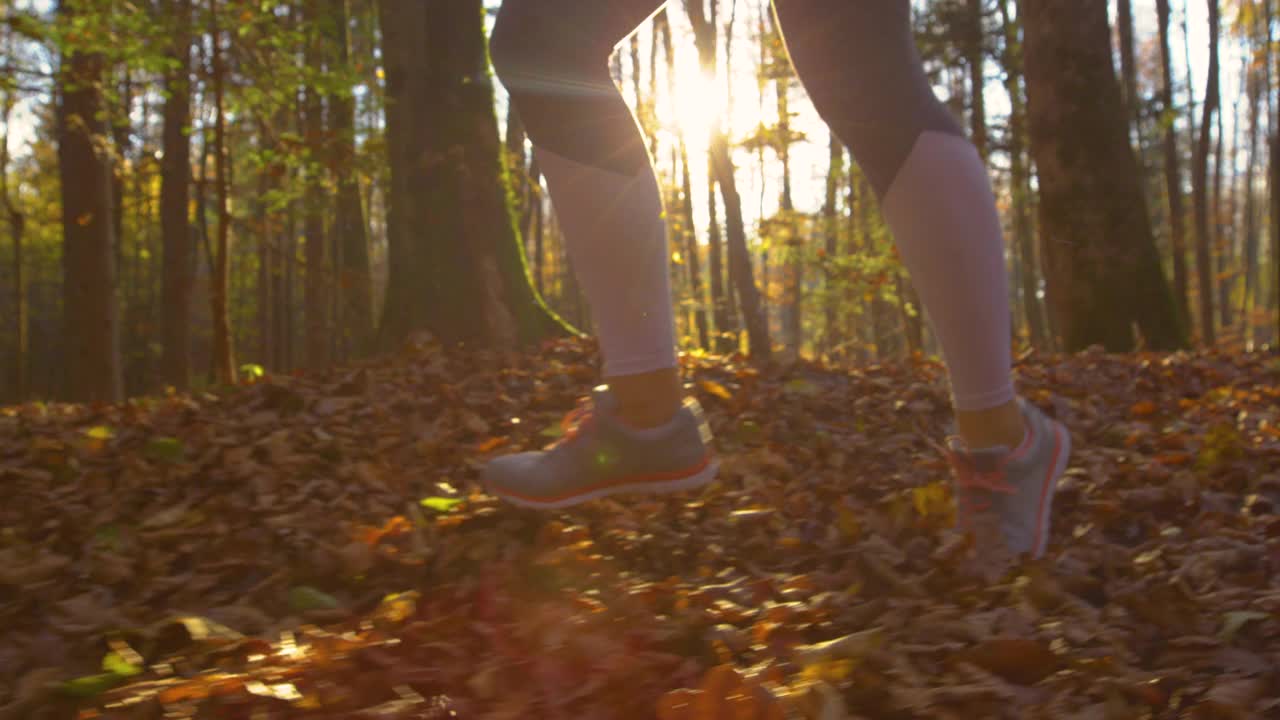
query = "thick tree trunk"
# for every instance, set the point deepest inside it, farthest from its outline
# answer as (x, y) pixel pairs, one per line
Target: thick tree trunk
(88, 243)
(1101, 264)
(1200, 187)
(223, 353)
(355, 313)
(1019, 182)
(457, 267)
(175, 200)
(1173, 173)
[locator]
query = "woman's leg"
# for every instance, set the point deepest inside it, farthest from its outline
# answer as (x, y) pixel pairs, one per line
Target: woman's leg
(553, 57)
(858, 62)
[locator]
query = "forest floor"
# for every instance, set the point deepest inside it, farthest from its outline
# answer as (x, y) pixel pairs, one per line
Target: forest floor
(315, 546)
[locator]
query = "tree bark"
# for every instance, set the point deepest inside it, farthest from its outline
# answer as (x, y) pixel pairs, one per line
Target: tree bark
(1172, 171)
(1128, 64)
(1200, 186)
(1019, 182)
(88, 229)
(694, 263)
(831, 231)
(1102, 268)
(975, 57)
(175, 200)
(317, 275)
(355, 311)
(223, 353)
(16, 221)
(741, 275)
(457, 267)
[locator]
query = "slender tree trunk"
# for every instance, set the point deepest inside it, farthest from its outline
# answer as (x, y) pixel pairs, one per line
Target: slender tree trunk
(1172, 172)
(739, 256)
(740, 272)
(88, 228)
(975, 59)
(1223, 223)
(16, 221)
(831, 230)
(1019, 182)
(219, 282)
(175, 200)
(1248, 302)
(855, 345)
(315, 301)
(1101, 263)
(1128, 64)
(1200, 186)
(691, 249)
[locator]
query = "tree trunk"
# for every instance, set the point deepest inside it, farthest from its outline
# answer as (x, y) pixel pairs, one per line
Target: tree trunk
(88, 243)
(355, 286)
(691, 249)
(457, 266)
(16, 222)
(1200, 186)
(223, 353)
(1254, 88)
(175, 200)
(975, 58)
(739, 256)
(831, 230)
(1101, 263)
(740, 273)
(1172, 172)
(1223, 218)
(1019, 181)
(1128, 65)
(317, 276)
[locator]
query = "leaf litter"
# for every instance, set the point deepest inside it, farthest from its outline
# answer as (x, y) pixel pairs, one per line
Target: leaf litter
(316, 546)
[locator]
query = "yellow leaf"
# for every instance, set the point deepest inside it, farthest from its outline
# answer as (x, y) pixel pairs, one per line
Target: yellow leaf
(714, 388)
(932, 501)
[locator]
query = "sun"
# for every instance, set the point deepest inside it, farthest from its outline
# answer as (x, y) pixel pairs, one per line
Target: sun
(699, 104)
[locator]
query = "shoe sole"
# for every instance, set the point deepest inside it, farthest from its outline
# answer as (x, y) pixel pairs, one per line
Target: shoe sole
(1062, 448)
(689, 482)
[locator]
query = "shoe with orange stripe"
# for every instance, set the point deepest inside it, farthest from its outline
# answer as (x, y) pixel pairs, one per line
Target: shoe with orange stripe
(1012, 490)
(599, 456)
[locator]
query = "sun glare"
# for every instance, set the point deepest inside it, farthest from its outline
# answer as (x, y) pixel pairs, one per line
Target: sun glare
(698, 106)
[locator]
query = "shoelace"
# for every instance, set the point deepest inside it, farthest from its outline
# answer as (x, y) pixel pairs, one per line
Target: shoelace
(976, 486)
(574, 422)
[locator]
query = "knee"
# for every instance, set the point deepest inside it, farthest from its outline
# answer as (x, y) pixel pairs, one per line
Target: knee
(526, 49)
(509, 50)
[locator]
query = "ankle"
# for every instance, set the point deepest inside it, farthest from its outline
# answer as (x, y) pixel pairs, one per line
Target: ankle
(647, 416)
(1000, 426)
(648, 400)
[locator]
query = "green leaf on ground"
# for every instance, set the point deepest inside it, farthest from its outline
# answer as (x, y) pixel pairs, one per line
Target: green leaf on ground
(440, 504)
(114, 662)
(304, 597)
(165, 449)
(91, 685)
